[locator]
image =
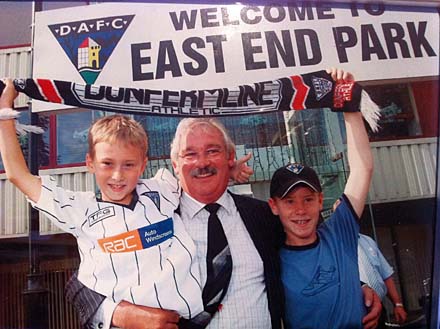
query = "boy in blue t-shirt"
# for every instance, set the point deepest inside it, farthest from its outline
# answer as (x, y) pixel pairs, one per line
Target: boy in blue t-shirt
(319, 264)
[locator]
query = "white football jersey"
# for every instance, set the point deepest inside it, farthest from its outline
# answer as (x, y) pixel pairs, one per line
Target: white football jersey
(140, 253)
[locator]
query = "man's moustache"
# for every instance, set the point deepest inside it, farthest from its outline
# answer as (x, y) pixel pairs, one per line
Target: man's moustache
(203, 171)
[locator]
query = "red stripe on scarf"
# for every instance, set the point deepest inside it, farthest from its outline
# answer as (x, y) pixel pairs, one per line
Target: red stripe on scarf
(302, 91)
(49, 91)
(343, 93)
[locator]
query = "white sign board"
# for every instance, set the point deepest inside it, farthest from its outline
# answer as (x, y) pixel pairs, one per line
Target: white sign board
(187, 47)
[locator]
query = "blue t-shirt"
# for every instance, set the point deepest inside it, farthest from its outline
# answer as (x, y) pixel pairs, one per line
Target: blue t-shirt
(321, 281)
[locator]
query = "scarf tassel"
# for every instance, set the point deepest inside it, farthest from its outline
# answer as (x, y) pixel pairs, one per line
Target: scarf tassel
(21, 129)
(370, 111)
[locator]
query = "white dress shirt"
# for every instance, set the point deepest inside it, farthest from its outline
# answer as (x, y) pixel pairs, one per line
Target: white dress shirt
(245, 304)
(374, 269)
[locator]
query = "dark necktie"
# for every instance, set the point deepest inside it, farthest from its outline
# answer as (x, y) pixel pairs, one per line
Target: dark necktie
(218, 262)
(218, 271)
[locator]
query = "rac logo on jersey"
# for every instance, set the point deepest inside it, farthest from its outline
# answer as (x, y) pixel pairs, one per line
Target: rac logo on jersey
(142, 238)
(89, 43)
(125, 242)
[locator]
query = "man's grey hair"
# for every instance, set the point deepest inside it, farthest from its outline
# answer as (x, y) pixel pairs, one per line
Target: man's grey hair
(187, 124)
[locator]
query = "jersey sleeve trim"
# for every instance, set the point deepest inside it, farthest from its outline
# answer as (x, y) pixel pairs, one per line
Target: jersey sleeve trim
(350, 207)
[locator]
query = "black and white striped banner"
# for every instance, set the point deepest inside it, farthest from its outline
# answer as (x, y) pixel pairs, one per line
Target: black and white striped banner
(297, 92)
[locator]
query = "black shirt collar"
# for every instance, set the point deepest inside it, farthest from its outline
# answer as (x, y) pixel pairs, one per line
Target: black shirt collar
(131, 205)
(305, 247)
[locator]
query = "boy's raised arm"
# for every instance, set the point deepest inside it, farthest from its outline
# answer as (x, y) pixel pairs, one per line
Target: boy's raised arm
(11, 153)
(360, 157)
(360, 161)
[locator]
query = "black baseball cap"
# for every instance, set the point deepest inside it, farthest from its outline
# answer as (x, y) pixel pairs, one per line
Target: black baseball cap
(291, 175)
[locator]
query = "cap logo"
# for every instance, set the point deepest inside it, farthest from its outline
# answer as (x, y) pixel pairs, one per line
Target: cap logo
(296, 168)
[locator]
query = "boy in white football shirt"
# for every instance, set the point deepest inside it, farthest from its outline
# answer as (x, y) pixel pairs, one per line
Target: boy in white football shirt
(132, 245)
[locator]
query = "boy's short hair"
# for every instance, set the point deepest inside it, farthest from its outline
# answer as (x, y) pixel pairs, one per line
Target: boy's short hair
(117, 129)
(286, 178)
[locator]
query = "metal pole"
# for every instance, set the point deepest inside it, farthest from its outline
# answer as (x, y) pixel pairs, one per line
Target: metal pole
(434, 306)
(35, 293)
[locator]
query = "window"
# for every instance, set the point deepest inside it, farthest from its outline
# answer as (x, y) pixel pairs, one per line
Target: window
(254, 131)
(398, 115)
(71, 137)
(160, 131)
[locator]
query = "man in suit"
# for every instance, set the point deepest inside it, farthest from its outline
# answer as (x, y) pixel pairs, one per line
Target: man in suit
(203, 154)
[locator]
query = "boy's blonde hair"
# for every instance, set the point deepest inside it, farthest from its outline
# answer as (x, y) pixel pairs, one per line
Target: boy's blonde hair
(118, 129)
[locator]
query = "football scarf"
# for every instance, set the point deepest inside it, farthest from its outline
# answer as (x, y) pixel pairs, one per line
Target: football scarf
(297, 92)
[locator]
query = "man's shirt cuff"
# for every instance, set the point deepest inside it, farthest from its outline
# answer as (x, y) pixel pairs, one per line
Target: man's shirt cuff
(102, 319)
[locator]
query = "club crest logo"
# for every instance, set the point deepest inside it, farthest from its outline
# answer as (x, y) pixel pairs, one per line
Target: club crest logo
(322, 87)
(90, 43)
(296, 168)
(154, 196)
